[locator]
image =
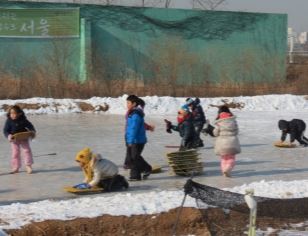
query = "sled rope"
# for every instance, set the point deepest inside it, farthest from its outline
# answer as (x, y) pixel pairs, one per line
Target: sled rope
(47, 154)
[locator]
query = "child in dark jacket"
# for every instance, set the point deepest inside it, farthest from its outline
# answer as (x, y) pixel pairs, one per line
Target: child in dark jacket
(135, 138)
(16, 123)
(295, 128)
(198, 118)
(185, 127)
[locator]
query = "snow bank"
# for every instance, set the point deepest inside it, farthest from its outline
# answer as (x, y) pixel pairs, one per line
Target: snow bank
(275, 189)
(160, 105)
(16, 215)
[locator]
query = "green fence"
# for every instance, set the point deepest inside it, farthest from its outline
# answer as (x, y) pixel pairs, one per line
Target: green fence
(187, 47)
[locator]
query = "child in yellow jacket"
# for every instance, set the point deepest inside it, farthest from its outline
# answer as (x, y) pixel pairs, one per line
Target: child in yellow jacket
(99, 172)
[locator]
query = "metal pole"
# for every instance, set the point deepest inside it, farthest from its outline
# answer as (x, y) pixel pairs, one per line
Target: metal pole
(178, 216)
(291, 49)
(82, 61)
(252, 204)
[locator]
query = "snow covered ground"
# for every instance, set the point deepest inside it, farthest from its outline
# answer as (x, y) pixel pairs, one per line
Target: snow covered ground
(17, 214)
(271, 172)
(162, 105)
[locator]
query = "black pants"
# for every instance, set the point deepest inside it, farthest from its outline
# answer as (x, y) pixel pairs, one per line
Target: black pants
(137, 162)
(117, 182)
(302, 139)
(187, 144)
(198, 127)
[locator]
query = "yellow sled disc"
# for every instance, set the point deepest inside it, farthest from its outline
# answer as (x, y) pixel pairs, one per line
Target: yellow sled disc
(284, 145)
(23, 136)
(156, 169)
(83, 191)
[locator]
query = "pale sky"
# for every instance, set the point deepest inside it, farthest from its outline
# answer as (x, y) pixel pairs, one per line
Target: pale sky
(297, 10)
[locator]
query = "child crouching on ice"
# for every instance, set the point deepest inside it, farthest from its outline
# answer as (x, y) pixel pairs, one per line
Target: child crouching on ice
(296, 128)
(16, 123)
(227, 144)
(99, 172)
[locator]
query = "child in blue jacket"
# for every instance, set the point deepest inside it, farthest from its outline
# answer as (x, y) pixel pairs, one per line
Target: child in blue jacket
(135, 138)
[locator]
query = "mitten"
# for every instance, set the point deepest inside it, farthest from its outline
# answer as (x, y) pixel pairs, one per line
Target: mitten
(168, 126)
(82, 186)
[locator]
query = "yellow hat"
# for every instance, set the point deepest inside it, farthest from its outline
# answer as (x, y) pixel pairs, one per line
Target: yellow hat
(84, 156)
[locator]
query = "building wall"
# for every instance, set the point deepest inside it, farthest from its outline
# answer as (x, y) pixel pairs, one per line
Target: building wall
(169, 46)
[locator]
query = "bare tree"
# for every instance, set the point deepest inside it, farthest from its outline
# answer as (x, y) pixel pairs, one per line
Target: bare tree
(207, 4)
(167, 3)
(109, 2)
(101, 2)
(155, 3)
(201, 4)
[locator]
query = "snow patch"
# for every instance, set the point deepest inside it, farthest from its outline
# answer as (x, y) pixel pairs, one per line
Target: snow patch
(275, 189)
(16, 215)
(160, 105)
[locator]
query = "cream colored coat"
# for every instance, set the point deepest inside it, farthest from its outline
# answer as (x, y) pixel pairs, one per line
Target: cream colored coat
(102, 169)
(227, 142)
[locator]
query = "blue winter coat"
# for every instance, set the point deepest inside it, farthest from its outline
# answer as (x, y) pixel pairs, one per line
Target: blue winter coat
(135, 130)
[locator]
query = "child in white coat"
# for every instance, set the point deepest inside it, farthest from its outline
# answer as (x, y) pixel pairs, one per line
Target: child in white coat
(227, 144)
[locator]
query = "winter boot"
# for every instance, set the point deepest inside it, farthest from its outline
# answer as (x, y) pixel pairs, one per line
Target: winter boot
(226, 174)
(29, 169)
(15, 171)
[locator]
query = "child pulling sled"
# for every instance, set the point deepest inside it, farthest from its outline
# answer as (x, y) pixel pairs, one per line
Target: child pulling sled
(185, 127)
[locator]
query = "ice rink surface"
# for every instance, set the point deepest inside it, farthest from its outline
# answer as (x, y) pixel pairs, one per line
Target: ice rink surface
(67, 134)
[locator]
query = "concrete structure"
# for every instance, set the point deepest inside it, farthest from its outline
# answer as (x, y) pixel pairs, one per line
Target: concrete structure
(303, 37)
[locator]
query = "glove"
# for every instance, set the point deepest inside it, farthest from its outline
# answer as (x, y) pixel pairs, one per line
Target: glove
(168, 126)
(151, 128)
(204, 132)
(82, 186)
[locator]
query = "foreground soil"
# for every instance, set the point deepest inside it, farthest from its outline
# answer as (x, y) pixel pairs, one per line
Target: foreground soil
(192, 222)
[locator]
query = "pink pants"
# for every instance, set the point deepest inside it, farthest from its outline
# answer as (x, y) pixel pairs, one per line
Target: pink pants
(25, 146)
(227, 163)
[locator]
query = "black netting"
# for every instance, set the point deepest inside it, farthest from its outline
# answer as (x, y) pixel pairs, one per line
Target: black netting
(271, 207)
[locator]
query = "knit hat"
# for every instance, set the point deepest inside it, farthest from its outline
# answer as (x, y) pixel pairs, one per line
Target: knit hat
(84, 156)
(185, 108)
(225, 115)
(189, 101)
(283, 124)
(197, 101)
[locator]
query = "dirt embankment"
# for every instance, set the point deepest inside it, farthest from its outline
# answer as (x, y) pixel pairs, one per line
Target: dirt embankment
(192, 222)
